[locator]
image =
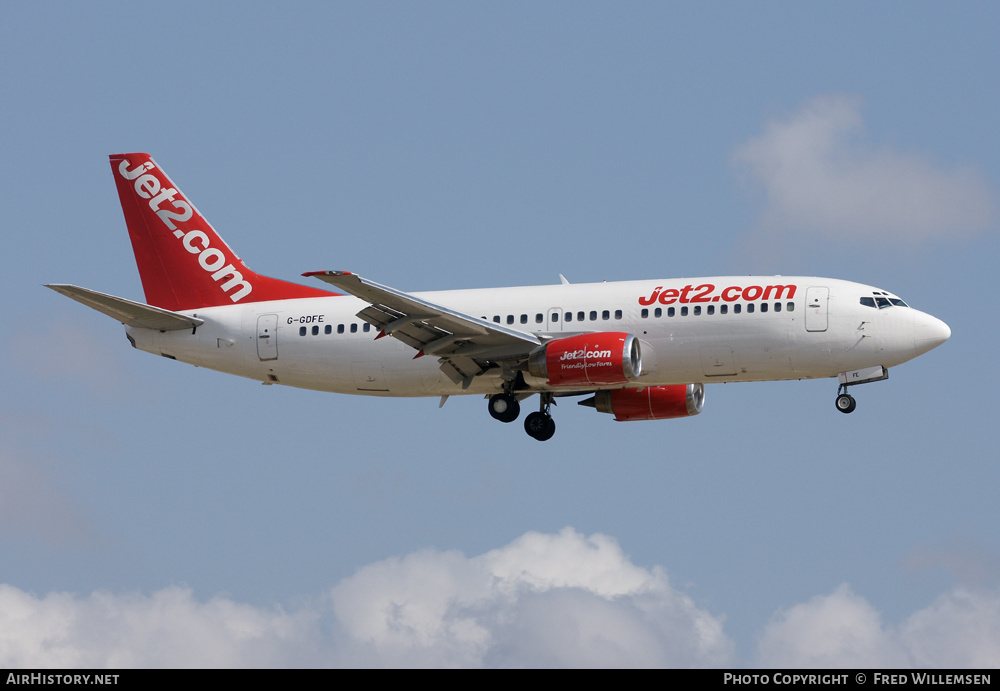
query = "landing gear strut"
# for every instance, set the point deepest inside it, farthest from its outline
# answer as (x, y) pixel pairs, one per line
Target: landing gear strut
(540, 425)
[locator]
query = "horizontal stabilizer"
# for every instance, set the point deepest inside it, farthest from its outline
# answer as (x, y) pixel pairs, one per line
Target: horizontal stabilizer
(127, 312)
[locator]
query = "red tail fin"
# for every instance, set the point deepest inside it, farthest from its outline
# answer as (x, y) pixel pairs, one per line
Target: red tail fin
(183, 263)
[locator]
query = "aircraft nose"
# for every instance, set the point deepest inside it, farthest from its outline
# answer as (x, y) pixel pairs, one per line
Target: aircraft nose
(928, 333)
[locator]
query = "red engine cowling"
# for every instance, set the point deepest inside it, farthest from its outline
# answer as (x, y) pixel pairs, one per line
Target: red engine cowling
(601, 359)
(653, 402)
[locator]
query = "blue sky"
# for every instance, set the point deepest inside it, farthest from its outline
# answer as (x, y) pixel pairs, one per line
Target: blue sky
(152, 513)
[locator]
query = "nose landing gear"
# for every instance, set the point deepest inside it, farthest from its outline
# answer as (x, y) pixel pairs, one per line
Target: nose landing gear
(845, 401)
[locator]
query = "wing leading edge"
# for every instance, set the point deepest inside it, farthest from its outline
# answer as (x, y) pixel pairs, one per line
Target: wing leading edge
(465, 345)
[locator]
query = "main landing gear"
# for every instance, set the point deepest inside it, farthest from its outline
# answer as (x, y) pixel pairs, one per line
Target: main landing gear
(539, 425)
(504, 407)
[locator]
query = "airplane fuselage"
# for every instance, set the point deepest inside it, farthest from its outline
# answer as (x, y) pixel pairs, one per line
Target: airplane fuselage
(722, 329)
(642, 350)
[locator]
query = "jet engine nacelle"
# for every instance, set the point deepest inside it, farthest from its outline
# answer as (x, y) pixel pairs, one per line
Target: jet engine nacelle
(601, 359)
(653, 402)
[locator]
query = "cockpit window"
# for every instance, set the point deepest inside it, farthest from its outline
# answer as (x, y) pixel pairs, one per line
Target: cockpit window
(882, 300)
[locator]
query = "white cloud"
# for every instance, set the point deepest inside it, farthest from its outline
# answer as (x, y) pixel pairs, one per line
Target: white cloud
(960, 629)
(168, 628)
(820, 176)
(836, 630)
(546, 600)
(552, 600)
(543, 600)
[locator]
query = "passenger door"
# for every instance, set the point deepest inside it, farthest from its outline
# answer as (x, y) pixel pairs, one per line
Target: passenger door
(817, 302)
(267, 337)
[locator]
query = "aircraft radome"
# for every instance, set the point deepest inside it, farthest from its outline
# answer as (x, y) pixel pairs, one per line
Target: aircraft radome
(639, 350)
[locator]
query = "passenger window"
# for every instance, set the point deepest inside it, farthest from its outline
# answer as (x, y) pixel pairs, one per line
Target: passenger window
(328, 329)
(697, 310)
(711, 309)
(790, 307)
(658, 312)
(367, 327)
(684, 311)
(510, 318)
(777, 307)
(302, 331)
(750, 308)
(555, 316)
(618, 314)
(315, 331)
(569, 317)
(593, 316)
(539, 318)
(605, 315)
(670, 311)
(763, 307)
(723, 309)
(524, 318)
(354, 328)
(580, 316)
(645, 312)
(496, 318)
(340, 328)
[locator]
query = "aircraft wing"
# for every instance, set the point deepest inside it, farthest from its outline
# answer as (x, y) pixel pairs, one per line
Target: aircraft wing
(465, 345)
(127, 312)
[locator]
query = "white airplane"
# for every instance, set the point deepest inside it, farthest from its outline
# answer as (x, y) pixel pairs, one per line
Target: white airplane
(641, 350)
